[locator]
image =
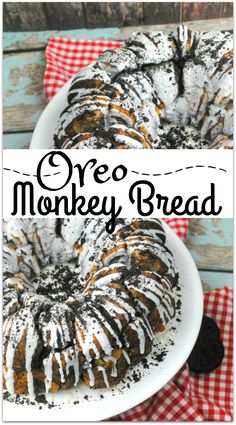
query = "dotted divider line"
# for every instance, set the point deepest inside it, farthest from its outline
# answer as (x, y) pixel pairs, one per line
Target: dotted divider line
(179, 169)
(133, 171)
(30, 175)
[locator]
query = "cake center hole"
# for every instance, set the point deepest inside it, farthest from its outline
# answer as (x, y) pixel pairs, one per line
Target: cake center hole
(59, 282)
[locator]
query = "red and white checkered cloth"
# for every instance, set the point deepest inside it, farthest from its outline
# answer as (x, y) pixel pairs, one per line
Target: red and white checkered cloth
(187, 397)
(190, 397)
(179, 225)
(65, 57)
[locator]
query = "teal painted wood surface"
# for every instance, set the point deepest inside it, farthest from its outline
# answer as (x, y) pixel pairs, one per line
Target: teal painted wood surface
(23, 90)
(24, 71)
(213, 279)
(16, 140)
(222, 234)
(210, 242)
(39, 39)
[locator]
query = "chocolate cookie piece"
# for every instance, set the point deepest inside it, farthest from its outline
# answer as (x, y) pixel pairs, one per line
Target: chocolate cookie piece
(208, 351)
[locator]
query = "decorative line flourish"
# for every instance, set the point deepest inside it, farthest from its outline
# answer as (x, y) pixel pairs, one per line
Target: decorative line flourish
(180, 169)
(132, 171)
(30, 175)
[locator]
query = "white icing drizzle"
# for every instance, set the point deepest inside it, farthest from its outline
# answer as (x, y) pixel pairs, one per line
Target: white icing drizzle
(155, 248)
(126, 356)
(56, 327)
(109, 256)
(140, 334)
(47, 364)
(154, 291)
(58, 358)
(101, 369)
(108, 326)
(142, 306)
(15, 329)
(117, 309)
(30, 347)
(81, 342)
(114, 372)
(139, 325)
(76, 366)
(10, 352)
(148, 328)
(71, 356)
(129, 141)
(87, 340)
(91, 377)
(104, 280)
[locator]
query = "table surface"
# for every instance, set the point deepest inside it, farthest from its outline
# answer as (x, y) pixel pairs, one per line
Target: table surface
(210, 240)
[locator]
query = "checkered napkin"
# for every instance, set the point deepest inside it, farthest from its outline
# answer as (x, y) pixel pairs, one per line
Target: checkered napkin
(187, 397)
(65, 57)
(190, 397)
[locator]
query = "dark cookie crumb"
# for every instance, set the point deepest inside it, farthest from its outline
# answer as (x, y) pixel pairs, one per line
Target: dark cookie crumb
(180, 138)
(41, 399)
(60, 283)
(208, 351)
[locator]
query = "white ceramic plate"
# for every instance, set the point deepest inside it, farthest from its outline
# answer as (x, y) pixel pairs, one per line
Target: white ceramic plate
(96, 405)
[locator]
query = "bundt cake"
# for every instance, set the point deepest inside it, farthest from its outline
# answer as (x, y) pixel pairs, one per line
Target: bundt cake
(91, 324)
(132, 96)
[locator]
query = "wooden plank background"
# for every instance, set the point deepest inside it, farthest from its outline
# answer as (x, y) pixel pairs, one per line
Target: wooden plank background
(210, 241)
(216, 236)
(37, 16)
